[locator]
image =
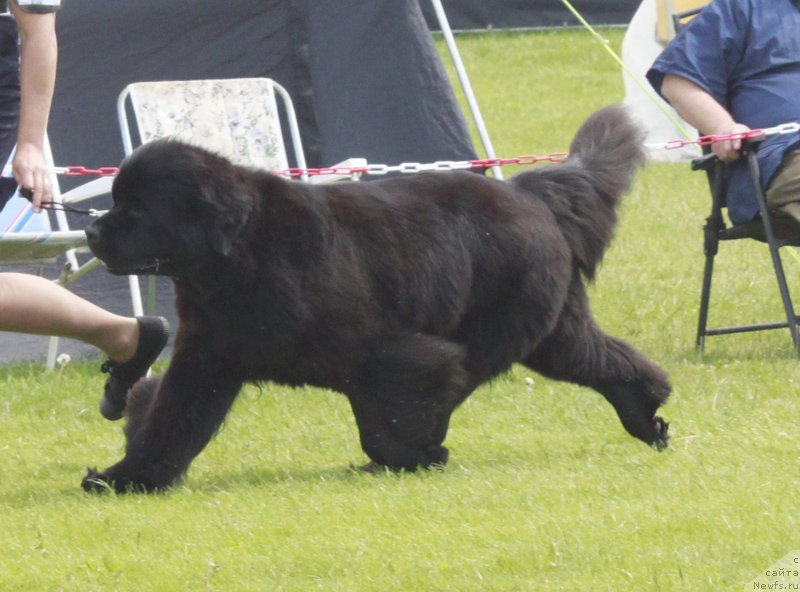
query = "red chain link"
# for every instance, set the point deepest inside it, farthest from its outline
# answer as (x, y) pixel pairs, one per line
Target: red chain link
(713, 139)
(79, 171)
(296, 172)
(523, 160)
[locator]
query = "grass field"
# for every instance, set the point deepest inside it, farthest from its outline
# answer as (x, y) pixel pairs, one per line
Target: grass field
(544, 491)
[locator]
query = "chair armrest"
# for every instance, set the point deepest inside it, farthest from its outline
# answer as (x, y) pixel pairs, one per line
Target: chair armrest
(705, 162)
(36, 247)
(99, 186)
(350, 163)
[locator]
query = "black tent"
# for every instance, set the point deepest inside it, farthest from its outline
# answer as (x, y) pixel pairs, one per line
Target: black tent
(364, 74)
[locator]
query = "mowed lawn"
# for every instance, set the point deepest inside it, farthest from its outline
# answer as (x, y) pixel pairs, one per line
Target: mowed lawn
(544, 491)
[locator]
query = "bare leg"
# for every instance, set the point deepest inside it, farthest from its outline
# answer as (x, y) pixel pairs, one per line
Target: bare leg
(34, 305)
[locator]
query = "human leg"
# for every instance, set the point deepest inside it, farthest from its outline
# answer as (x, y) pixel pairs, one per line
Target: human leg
(34, 305)
(783, 197)
(31, 304)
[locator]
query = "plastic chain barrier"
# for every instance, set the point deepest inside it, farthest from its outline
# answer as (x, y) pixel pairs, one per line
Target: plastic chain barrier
(449, 165)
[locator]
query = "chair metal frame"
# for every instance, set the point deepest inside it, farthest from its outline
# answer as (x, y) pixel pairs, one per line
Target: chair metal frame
(681, 18)
(671, 15)
(715, 230)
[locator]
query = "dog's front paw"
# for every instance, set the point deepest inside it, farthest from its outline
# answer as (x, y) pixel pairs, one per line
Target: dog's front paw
(103, 482)
(662, 438)
(122, 479)
(95, 481)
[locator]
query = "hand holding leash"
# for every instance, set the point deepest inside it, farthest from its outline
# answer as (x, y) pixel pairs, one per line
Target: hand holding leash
(31, 175)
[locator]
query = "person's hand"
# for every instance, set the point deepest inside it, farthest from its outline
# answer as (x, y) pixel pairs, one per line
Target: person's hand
(729, 150)
(31, 175)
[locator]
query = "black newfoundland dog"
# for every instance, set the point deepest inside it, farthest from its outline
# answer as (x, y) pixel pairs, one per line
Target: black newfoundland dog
(405, 294)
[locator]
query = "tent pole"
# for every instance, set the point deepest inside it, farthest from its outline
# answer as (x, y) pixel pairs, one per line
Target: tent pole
(465, 85)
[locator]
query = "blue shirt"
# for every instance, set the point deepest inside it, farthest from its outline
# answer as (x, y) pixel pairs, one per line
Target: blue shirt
(746, 54)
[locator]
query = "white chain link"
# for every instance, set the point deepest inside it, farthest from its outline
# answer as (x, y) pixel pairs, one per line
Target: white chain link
(784, 128)
(417, 167)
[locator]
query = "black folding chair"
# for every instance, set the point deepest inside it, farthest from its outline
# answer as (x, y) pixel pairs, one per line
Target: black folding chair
(716, 230)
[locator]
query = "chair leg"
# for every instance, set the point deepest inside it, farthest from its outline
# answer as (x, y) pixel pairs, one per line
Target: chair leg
(136, 295)
(783, 287)
(705, 295)
(52, 353)
(772, 242)
(711, 231)
(151, 295)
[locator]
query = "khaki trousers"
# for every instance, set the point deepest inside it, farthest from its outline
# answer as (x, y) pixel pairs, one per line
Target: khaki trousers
(783, 193)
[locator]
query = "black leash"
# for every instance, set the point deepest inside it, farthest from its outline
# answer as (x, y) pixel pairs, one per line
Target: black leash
(62, 207)
(54, 206)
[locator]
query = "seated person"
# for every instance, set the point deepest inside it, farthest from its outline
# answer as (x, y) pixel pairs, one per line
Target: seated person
(736, 67)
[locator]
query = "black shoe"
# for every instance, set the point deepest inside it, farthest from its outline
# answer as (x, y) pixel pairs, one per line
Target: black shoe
(153, 335)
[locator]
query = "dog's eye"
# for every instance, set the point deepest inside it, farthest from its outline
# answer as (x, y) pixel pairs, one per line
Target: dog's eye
(190, 208)
(133, 217)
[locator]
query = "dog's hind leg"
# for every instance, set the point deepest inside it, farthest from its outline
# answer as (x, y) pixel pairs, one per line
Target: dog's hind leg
(578, 351)
(408, 389)
(188, 407)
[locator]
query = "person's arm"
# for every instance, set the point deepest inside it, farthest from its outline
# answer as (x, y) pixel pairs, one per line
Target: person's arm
(703, 111)
(38, 57)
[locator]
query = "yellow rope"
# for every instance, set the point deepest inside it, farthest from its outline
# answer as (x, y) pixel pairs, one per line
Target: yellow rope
(637, 79)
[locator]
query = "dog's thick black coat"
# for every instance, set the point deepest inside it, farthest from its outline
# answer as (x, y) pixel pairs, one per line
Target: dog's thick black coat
(404, 294)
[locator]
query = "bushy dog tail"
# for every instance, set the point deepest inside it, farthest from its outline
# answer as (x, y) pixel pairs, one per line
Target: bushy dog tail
(584, 190)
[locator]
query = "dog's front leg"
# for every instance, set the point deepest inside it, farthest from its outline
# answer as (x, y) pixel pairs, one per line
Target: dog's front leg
(185, 412)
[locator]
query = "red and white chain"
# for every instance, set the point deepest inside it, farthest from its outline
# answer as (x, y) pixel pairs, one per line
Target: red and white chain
(450, 165)
(417, 167)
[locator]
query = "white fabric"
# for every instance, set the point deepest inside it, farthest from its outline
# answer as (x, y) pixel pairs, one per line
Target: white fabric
(640, 48)
(236, 118)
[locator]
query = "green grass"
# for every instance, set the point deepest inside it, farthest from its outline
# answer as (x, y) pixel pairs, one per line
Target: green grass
(544, 491)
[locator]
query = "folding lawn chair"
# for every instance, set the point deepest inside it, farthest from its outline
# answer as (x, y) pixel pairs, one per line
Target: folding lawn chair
(236, 117)
(716, 230)
(674, 14)
(27, 237)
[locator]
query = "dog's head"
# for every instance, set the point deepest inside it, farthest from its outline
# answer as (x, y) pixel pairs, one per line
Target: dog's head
(177, 208)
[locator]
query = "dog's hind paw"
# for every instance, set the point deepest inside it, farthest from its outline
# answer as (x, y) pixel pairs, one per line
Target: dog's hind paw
(662, 439)
(371, 468)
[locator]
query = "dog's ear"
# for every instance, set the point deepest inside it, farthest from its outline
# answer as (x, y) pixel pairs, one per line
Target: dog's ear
(226, 217)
